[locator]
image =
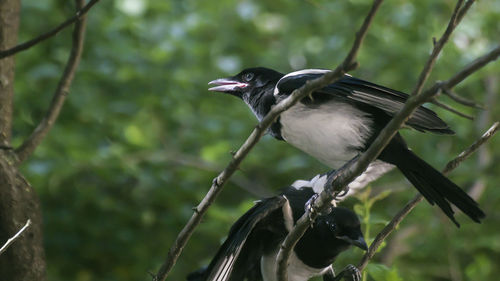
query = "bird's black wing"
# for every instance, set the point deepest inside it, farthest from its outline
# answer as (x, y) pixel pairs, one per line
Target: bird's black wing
(364, 92)
(228, 264)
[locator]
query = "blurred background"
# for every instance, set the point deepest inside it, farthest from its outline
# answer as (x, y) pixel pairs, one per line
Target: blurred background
(140, 138)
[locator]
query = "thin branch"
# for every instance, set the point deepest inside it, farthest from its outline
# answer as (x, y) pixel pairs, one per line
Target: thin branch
(451, 109)
(356, 166)
(29, 145)
(464, 73)
(28, 44)
(13, 238)
(455, 19)
(391, 226)
(253, 187)
(453, 164)
(350, 60)
(472, 67)
(218, 183)
(446, 86)
(462, 100)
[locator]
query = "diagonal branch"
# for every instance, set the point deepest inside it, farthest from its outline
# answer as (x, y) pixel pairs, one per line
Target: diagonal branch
(29, 145)
(391, 226)
(462, 100)
(28, 44)
(466, 153)
(350, 60)
(13, 238)
(355, 167)
(257, 133)
(471, 68)
(455, 19)
(468, 70)
(451, 109)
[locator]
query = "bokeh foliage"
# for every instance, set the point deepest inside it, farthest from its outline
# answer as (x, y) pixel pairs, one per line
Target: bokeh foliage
(140, 137)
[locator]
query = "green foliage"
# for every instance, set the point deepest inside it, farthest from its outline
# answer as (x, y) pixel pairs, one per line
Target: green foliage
(140, 137)
(380, 272)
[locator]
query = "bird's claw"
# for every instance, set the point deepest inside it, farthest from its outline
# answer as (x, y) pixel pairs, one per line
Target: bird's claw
(343, 192)
(309, 206)
(351, 273)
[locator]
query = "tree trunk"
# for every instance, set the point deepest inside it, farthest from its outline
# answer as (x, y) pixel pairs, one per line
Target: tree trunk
(25, 259)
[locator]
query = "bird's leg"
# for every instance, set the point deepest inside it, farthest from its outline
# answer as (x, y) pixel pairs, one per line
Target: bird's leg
(329, 274)
(333, 175)
(343, 192)
(349, 273)
(311, 96)
(309, 206)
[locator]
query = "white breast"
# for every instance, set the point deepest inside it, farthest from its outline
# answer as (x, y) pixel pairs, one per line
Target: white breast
(297, 270)
(328, 132)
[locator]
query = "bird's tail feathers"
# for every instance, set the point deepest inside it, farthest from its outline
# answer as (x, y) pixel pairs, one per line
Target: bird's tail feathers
(438, 189)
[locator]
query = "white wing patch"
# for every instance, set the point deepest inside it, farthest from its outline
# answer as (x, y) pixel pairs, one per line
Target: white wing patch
(376, 169)
(300, 72)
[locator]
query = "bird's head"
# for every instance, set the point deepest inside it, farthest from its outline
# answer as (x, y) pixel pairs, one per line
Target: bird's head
(345, 226)
(249, 84)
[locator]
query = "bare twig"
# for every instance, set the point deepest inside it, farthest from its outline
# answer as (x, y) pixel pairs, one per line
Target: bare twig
(30, 144)
(418, 198)
(464, 73)
(26, 45)
(462, 100)
(447, 85)
(472, 67)
(451, 109)
(354, 168)
(13, 238)
(253, 186)
(257, 133)
(484, 155)
(455, 19)
(350, 60)
(462, 156)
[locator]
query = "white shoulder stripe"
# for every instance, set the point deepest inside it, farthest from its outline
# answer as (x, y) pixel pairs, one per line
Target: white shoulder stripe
(300, 72)
(307, 71)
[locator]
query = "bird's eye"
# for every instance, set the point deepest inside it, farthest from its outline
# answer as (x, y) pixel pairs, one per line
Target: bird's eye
(248, 76)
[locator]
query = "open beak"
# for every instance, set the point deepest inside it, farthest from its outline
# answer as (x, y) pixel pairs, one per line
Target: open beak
(226, 85)
(359, 242)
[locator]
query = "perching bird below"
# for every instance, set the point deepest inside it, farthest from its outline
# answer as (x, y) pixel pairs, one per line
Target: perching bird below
(252, 245)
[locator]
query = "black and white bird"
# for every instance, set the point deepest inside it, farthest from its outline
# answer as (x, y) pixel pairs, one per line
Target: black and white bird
(251, 247)
(338, 122)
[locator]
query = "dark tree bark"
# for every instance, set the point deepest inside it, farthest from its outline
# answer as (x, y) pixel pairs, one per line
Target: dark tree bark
(25, 259)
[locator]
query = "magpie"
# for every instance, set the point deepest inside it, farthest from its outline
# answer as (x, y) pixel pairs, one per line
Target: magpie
(338, 122)
(251, 247)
